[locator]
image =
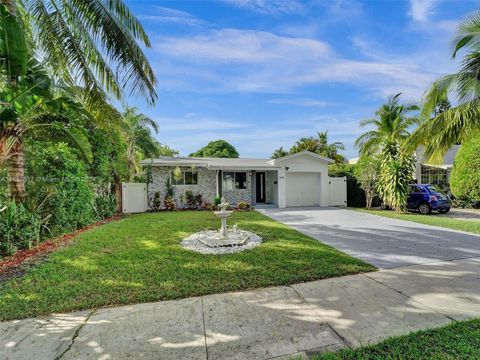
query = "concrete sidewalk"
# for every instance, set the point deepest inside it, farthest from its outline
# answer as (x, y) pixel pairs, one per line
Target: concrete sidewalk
(276, 322)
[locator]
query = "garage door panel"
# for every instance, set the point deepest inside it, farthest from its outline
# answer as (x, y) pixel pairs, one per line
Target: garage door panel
(303, 189)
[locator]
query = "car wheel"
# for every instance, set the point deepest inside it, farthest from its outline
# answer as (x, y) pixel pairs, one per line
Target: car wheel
(424, 209)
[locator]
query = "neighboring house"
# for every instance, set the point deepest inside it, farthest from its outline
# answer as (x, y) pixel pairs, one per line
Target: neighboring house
(300, 179)
(435, 174)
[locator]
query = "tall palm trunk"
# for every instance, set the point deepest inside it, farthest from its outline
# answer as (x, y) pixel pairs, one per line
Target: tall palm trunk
(16, 171)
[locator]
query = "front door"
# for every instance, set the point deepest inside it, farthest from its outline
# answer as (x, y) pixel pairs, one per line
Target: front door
(260, 187)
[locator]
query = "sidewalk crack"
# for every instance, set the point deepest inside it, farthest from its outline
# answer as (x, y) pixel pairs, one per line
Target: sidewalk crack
(204, 328)
(75, 335)
(342, 338)
(409, 297)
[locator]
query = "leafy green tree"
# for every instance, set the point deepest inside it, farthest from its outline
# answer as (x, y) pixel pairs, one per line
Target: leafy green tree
(465, 176)
(320, 145)
(455, 124)
(278, 153)
(217, 149)
(367, 173)
(165, 150)
(391, 124)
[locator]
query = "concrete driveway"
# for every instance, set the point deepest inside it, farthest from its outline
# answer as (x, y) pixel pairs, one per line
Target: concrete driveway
(383, 242)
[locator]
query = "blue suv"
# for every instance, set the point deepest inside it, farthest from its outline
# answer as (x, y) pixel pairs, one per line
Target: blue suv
(425, 198)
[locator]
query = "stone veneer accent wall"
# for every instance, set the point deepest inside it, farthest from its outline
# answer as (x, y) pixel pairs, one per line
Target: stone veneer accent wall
(237, 195)
(207, 183)
(207, 186)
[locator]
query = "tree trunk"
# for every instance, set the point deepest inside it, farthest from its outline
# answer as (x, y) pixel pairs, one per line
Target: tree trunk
(16, 173)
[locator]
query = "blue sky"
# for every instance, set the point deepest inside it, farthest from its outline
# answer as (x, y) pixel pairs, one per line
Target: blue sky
(263, 73)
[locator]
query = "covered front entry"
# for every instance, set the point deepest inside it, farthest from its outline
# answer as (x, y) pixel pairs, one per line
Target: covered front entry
(303, 189)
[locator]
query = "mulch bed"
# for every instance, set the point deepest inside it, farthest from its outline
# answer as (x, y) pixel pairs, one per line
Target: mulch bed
(18, 263)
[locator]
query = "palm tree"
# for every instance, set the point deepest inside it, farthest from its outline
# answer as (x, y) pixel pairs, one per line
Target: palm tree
(93, 43)
(319, 145)
(278, 153)
(391, 124)
(387, 140)
(138, 137)
(305, 144)
(329, 150)
(34, 106)
(455, 124)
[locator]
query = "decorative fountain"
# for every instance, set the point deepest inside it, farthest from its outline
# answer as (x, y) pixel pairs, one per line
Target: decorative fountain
(223, 241)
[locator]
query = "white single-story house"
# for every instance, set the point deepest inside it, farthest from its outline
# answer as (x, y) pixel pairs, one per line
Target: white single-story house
(299, 179)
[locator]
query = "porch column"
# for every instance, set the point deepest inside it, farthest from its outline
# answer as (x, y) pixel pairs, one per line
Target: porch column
(217, 173)
(282, 190)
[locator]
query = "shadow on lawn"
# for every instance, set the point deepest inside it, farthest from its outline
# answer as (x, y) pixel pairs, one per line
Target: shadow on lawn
(124, 265)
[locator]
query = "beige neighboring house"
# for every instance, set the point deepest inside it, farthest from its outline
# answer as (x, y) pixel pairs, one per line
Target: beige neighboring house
(299, 179)
(435, 174)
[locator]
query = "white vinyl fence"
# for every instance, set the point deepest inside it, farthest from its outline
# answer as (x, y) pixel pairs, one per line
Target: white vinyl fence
(134, 198)
(338, 191)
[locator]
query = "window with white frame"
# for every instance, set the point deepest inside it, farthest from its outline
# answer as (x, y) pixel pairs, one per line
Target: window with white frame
(234, 180)
(186, 178)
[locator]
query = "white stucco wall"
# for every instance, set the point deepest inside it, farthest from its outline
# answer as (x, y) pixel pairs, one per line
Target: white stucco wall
(306, 164)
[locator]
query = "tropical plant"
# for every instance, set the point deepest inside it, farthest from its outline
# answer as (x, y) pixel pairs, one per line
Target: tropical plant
(155, 201)
(320, 145)
(396, 170)
(367, 174)
(278, 153)
(391, 124)
(19, 228)
(217, 149)
(140, 142)
(35, 108)
(465, 176)
(92, 43)
(455, 124)
(96, 43)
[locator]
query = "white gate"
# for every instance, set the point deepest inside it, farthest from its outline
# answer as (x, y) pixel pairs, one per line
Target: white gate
(338, 191)
(134, 197)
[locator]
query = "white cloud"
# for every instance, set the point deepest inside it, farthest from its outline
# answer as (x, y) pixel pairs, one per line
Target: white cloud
(420, 10)
(164, 14)
(242, 46)
(259, 61)
(272, 7)
(300, 102)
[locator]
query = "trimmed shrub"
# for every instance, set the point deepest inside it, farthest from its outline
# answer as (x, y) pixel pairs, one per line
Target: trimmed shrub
(465, 176)
(105, 206)
(19, 228)
(242, 205)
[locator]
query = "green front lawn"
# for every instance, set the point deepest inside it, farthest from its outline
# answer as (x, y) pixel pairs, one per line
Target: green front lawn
(139, 259)
(432, 219)
(458, 340)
